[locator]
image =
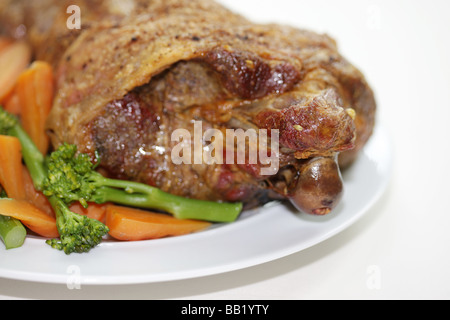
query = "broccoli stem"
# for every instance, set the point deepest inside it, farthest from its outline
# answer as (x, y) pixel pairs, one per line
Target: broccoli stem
(143, 196)
(182, 208)
(33, 158)
(12, 232)
(60, 209)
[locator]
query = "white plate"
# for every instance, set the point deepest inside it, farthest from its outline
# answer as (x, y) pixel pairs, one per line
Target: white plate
(257, 237)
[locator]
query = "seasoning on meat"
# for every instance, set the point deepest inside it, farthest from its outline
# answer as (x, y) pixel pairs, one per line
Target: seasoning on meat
(129, 78)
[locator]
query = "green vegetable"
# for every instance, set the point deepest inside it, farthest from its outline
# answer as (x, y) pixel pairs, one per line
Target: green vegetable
(12, 231)
(72, 177)
(77, 233)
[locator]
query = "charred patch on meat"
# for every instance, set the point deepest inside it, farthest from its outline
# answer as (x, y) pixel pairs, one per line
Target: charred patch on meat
(319, 127)
(248, 76)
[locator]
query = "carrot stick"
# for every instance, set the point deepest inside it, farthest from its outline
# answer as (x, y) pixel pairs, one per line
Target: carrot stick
(93, 211)
(36, 198)
(12, 104)
(11, 174)
(128, 224)
(32, 217)
(35, 88)
(14, 59)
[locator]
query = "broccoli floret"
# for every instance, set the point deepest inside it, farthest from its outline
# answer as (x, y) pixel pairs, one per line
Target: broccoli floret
(72, 177)
(67, 174)
(77, 233)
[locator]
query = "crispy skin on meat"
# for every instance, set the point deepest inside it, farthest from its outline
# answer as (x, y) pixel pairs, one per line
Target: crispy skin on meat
(140, 69)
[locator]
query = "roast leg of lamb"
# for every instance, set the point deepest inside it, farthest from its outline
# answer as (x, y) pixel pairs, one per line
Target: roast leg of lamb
(139, 70)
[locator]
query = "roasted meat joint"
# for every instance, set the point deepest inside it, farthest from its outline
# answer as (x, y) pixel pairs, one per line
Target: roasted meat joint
(155, 88)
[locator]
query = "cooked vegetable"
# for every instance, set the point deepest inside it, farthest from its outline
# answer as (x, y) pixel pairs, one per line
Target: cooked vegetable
(12, 232)
(77, 233)
(93, 211)
(72, 177)
(11, 174)
(12, 104)
(34, 196)
(130, 224)
(33, 218)
(35, 88)
(14, 58)
(33, 158)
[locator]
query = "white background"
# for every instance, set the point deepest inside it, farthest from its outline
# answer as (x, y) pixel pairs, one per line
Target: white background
(401, 248)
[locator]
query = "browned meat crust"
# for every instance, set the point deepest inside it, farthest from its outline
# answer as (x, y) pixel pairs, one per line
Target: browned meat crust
(139, 70)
